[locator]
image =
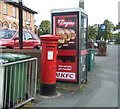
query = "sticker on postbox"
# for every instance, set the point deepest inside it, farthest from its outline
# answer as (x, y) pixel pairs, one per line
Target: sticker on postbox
(65, 75)
(50, 55)
(92, 56)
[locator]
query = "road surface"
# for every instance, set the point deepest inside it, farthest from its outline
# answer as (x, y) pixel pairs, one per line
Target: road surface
(101, 90)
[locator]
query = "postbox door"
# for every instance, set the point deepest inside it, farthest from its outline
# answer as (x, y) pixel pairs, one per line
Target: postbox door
(49, 64)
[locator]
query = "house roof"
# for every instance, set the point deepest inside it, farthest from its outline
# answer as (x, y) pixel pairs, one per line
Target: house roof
(24, 7)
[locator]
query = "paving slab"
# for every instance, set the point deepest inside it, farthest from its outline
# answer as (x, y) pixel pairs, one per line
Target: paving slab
(100, 91)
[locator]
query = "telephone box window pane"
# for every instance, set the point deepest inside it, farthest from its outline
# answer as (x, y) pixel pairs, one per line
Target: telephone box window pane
(83, 32)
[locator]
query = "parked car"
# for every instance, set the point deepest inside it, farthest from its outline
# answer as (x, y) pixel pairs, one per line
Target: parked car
(95, 45)
(111, 43)
(10, 39)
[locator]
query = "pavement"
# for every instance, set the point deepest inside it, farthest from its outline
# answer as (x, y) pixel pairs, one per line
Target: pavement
(100, 91)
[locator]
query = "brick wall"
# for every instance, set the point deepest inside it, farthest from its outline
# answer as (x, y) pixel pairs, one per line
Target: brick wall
(11, 20)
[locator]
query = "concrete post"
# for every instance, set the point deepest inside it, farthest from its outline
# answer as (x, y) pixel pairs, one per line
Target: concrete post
(81, 3)
(21, 24)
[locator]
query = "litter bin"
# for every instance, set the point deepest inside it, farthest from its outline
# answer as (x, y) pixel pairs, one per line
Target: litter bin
(90, 43)
(91, 59)
(2, 61)
(102, 48)
(14, 78)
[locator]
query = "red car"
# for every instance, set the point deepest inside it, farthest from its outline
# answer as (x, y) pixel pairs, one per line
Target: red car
(10, 39)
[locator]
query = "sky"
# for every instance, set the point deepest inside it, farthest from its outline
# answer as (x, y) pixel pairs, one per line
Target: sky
(98, 10)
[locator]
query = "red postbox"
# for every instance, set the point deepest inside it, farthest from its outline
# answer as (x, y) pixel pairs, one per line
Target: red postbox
(48, 61)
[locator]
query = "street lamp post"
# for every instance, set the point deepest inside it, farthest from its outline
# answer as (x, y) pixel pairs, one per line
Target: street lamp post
(98, 29)
(20, 24)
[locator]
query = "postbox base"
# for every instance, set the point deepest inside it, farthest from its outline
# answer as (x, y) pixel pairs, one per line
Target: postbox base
(48, 89)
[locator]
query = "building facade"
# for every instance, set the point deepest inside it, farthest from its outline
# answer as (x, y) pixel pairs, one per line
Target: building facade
(9, 16)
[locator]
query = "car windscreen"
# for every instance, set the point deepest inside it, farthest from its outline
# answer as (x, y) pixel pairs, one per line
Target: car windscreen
(6, 34)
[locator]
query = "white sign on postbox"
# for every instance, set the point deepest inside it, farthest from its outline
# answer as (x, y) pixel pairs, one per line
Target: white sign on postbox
(65, 75)
(92, 56)
(50, 55)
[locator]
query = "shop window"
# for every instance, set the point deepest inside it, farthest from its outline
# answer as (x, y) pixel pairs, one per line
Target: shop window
(5, 25)
(14, 26)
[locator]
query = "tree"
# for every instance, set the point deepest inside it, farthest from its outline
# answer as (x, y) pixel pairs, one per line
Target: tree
(92, 32)
(44, 27)
(117, 38)
(117, 27)
(110, 25)
(106, 35)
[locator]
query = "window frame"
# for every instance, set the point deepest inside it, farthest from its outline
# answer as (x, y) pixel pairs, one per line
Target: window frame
(14, 11)
(29, 17)
(5, 8)
(25, 15)
(26, 36)
(0, 8)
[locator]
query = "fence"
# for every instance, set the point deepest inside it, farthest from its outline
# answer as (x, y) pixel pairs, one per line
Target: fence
(19, 83)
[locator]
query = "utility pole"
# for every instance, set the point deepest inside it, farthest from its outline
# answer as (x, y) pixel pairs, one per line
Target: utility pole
(98, 29)
(20, 24)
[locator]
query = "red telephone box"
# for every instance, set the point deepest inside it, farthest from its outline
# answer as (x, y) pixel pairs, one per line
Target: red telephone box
(71, 26)
(48, 60)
